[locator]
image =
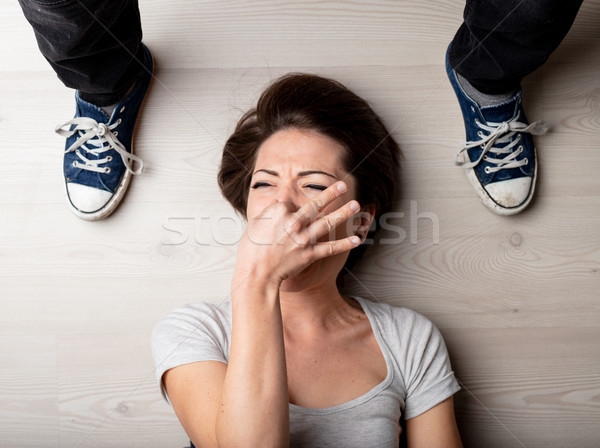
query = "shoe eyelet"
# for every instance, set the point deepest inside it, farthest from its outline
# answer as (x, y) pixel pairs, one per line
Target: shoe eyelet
(477, 121)
(107, 170)
(473, 110)
(119, 121)
(116, 133)
(74, 164)
(122, 110)
(479, 134)
(520, 149)
(487, 170)
(526, 160)
(109, 159)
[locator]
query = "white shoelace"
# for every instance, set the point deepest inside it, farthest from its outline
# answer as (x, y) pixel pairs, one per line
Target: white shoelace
(96, 138)
(500, 133)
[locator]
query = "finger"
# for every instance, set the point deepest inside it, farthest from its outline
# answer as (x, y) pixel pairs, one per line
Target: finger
(316, 205)
(329, 222)
(329, 248)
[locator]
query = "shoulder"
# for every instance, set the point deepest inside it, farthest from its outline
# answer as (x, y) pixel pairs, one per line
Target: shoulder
(398, 322)
(412, 339)
(194, 317)
(193, 332)
(419, 355)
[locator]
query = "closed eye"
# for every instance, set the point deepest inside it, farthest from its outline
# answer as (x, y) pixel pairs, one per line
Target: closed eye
(260, 184)
(317, 187)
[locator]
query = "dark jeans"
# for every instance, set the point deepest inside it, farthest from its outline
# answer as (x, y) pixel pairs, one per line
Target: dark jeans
(92, 45)
(501, 41)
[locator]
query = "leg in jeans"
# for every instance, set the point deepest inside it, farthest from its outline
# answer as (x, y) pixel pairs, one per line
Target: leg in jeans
(92, 45)
(501, 41)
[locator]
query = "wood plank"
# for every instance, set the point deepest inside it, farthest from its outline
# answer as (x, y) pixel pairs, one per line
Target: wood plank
(108, 394)
(28, 390)
(516, 298)
(527, 387)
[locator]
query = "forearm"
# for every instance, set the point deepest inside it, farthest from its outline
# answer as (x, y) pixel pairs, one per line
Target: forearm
(254, 410)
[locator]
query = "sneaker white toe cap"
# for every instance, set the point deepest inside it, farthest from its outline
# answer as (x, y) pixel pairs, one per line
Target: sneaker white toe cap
(87, 199)
(510, 193)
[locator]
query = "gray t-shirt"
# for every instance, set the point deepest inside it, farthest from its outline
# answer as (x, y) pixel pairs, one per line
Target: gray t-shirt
(419, 373)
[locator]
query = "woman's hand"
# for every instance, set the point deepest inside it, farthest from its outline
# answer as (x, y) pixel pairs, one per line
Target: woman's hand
(280, 242)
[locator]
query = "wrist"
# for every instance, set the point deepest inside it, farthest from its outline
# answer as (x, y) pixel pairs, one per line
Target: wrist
(254, 284)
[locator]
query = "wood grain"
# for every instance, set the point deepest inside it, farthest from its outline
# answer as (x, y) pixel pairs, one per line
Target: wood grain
(516, 298)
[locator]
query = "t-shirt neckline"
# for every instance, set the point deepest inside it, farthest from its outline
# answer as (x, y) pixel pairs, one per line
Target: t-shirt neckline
(365, 305)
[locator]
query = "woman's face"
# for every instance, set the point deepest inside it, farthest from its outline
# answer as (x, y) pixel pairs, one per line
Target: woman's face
(294, 166)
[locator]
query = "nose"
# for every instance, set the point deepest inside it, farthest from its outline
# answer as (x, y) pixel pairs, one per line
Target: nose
(289, 194)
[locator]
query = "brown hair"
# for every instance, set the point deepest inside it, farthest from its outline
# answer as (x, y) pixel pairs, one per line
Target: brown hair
(310, 102)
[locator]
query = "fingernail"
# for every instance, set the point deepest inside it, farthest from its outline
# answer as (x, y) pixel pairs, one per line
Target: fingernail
(354, 206)
(342, 187)
(355, 240)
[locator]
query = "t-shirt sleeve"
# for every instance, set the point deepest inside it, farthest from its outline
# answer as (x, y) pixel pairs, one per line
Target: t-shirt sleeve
(197, 332)
(429, 378)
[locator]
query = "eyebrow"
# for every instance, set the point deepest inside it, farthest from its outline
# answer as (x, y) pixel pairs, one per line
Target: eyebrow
(301, 173)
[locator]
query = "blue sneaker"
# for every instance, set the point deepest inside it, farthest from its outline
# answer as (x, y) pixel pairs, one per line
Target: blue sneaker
(99, 160)
(499, 156)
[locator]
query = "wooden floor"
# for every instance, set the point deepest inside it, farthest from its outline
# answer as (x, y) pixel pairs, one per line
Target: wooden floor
(517, 299)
